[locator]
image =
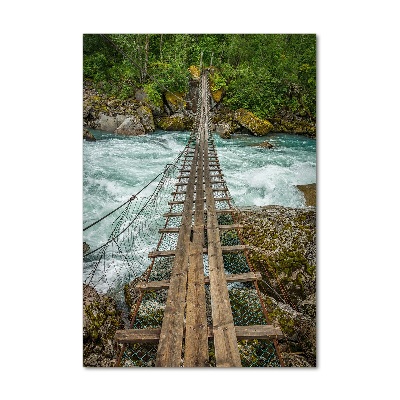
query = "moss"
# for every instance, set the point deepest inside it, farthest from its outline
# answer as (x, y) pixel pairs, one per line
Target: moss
(194, 72)
(103, 320)
(257, 126)
(175, 123)
(217, 95)
(176, 99)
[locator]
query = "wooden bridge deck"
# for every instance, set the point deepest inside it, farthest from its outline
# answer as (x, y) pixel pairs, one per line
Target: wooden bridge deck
(185, 319)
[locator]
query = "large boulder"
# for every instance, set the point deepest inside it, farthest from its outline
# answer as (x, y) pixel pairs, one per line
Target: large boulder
(175, 101)
(175, 122)
(146, 118)
(192, 95)
(255, 125)
(107, 123)
(101, 319)
(132, 126)
(225, 128)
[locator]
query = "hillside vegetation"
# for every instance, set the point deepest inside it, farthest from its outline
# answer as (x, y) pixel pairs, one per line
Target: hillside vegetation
(273, 76)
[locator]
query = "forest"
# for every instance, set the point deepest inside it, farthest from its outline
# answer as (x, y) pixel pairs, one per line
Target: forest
(268, 74)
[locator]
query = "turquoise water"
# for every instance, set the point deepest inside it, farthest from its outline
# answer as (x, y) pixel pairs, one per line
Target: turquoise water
(115, 167)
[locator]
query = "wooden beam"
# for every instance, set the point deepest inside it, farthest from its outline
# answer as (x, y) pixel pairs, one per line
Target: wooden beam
(152, 335)
(213, 189)
(169, 349)
(175, 202)
(164, 284)
(221, 228)
(218, 211)
(196, 338)
(224, 249)
(186, 183)
(225, 341)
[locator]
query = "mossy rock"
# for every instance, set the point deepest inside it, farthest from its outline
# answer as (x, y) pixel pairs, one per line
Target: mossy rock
(194, 72)
(146, 118)
(255, 125)
(175, 101)
(217, 95)
(175, 123)
(101, 319)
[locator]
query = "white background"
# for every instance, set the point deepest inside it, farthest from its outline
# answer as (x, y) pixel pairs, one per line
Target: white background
(41, 200)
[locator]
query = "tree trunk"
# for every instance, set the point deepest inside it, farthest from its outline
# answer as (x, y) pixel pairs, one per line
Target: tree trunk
(146, 57)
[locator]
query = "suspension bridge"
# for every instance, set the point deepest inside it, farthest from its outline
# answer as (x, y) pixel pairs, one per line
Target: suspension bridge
(198, 302)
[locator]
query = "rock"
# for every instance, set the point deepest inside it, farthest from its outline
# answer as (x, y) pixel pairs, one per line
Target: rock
(86, 248)
(141, 95)
(192, 95)
(225, 129)
(120, 119)
(287, 122)
(101, 319)
(310, 193)
(194, 72)
(175, 101)
(283, 249)
(88, 135)
(107, 123)
(217, 95)
(265, 145)
(175, 122)
(146, 118)
(131, 127)
(253, 124)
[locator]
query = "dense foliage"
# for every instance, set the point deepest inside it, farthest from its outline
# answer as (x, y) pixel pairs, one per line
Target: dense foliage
(266, 74)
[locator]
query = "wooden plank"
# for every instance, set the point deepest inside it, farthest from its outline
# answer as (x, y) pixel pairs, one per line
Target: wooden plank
(225, 341)
(131, 336)
(169, 349)
(196, 338)
(185, 183)
(229, 227)
(152, 285)
(224, 249)
(230, 278)
(218, 211)
(152, 335)
(258, 332)
(186, 176)
(221, 228)
(175, 202)
(213, 189)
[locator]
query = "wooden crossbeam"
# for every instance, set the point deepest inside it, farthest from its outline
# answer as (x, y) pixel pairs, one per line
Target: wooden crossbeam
(213, 189)
(175, 202)
(152, 335)
(225, 250)
(221, 227)
(230, 278)
(187, 176)
(218, 211)
(185, 183)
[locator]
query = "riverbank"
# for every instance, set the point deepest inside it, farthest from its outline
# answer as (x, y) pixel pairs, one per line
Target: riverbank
(176, 112)
(283, 249)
